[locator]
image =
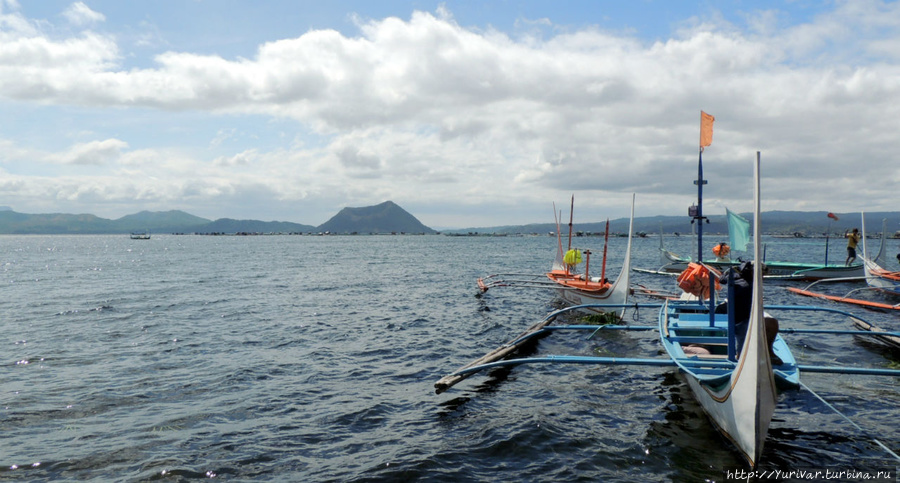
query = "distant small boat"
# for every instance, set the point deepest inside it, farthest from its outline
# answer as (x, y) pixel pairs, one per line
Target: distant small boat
(140, 235)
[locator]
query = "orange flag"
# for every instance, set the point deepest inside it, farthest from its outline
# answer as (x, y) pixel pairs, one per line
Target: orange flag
(706, 127)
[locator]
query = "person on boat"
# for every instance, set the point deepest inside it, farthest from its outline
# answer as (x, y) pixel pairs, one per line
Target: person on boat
(721, 251)
(743, 303)
(852, 240)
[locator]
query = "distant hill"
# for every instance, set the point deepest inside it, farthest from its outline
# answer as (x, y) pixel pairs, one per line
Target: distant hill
(52, 223)
(773, 222)
(386, 217)
(160, 221)
(156, 222)
(227, 225)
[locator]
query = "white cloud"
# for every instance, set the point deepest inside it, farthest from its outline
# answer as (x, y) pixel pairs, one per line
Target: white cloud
(241, 159)
(430, 111)
(221, 136)
(80, 14)
(91, 153)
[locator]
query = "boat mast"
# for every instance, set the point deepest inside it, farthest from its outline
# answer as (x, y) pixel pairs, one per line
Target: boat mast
(696, 212)
(571, 213)
(559, 249)
(605, 244)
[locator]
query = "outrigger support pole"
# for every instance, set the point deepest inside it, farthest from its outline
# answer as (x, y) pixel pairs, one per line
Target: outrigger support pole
(838, 332)
(630, 361)
(542, 328)
(537, 330)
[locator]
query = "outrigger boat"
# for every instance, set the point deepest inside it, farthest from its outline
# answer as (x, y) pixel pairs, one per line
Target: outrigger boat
(573, 287)
(738, 391)
(877, 279)
(672, 264)
(739, 397)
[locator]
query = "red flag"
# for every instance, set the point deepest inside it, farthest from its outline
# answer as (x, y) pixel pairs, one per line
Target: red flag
(833, 216)
(706, 129)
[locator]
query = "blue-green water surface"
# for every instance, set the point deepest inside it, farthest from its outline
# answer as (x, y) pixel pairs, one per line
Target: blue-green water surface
(297, 358)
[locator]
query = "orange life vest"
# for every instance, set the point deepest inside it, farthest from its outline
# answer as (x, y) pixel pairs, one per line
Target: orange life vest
(695, 280)
(721, 250)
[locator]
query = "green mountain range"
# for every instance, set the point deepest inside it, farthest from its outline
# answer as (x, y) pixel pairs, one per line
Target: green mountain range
(388, 217)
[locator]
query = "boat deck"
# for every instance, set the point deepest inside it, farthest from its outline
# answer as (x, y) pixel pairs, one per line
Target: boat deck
(702, 349)
(579, 282)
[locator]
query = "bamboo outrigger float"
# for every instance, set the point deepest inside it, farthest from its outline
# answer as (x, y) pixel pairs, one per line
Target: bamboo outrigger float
(847, 299)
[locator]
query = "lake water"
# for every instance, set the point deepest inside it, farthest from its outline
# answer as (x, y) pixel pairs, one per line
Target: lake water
(294, 358)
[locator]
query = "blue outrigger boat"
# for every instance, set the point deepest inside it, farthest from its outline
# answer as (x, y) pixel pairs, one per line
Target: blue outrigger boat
(736, 388)
(739, 395)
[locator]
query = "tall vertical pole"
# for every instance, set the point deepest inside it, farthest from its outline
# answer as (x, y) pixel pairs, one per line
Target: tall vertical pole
(699, 215)
(571, 214)
(706, 126)
(605, 243)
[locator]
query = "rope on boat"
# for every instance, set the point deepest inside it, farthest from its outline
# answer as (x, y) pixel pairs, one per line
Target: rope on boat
(863, 431)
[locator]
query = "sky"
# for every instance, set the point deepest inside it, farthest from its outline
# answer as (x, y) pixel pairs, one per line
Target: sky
(466, 114)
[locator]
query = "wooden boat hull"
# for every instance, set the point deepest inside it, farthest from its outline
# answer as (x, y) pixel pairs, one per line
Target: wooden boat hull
(881, 279)
(739, 398)
(577, 291)
(876, 275)
(579, 297)
(673, 263)
(728, 395)
(782, 270)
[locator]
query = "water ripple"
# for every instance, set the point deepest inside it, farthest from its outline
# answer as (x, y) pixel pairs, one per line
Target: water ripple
(313, 359)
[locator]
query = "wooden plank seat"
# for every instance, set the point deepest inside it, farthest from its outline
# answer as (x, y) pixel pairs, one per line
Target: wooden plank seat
(701, 339)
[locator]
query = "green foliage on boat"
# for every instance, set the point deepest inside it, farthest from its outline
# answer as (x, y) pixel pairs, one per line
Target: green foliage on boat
(605, 318)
